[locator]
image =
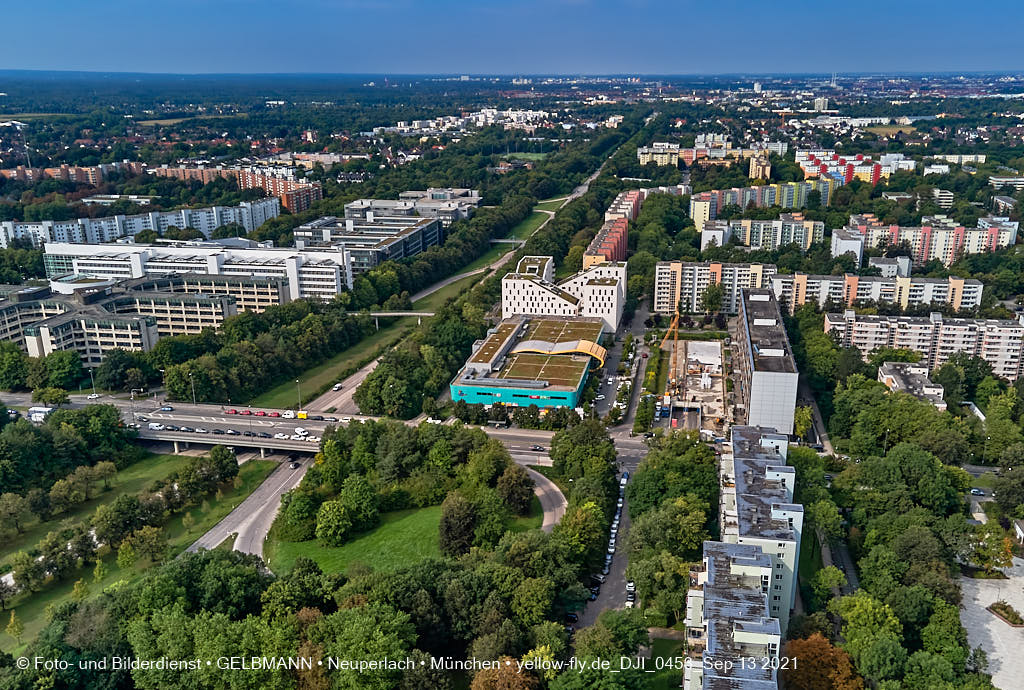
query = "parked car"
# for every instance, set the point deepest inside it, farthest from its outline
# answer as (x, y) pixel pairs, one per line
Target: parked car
(316, 417)
(330, 419)
(219, 432)
(630, 604)
(287, 414)
(93, 396)
(273, 414)
(346, 420)
(592, 597)
(281, 437)
(611, 548)
(313, 439)
(187, 429)
(572, 617)
(153, 426)
(171, 427)
(261, 413)
(245, 412)
(201, 430)
(231, 411)
(263, 434)
(630, 586)
(232, 432)
(598, 578)
(977, 492)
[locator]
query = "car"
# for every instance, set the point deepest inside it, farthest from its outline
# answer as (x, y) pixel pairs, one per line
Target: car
(231, 411)
(630, 604)
(592, 597)
(330, 419)
(598, 578)
(296, 437)
(336, 387)
(153, 426)
(219, 432)
(644, 355)
(625, 475)
(313, 439)
(171, 427)
(316, 417)
(295, 465)
(630, 586)
(263, 434)
(604, 570)
(600, 397)
(138, 417)
(977, 492)
(246, 412)
(570, 630)
(281, 437)
(93, 396)
(648, 434)
(572, 617)
(301, 431)
(261, 413)
(611, 548)
(232, 432)
(248, 433)
(619, 503)
(346, 420)
(273, 414)
(201, 430)
(287, 414)
(630, 596)
(622, 482)
(537, 448)
(187, 429)
(595, 589)
(167, 408)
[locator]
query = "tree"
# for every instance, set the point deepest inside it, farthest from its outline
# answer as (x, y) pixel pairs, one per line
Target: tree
(51, 396)
(532, 600)
(126, 556)
(992, 547)
(504, 676)
(148, 542)
(14, 512)
(80, 590)
(333, 523)
(515, 488)
(711, 299)
(818, 665)
(13, 367)
(15, 628)
(359, 500)
(824, 515)
(64, 369)
(826, 580)
(115, 521)
(458, 523)
(7, 591)
(802, 418)
(99, 573)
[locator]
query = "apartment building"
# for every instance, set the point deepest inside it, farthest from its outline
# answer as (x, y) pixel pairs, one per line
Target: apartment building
(760, 168)
(597, 292)
(797, 289)
(728, 619)
(768, 374)
(716, 148)
(912, 378)
(294, 193)
(370, 241)
(610, 243)
(449, 205)
(960, 158)
(91, 174)
(1000, 181)
(890, 267)
(935, 338)
(827, 163)
(938, 237)
(249, 214)
(788, 228)
(681, 284)
(659, 153)
(309, 273)
(704, 206)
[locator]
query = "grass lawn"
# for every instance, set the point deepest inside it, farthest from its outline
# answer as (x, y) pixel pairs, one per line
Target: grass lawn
(667, 678)
(526, 227)
(549, 472)
(436, 300)
(985, 481)
(889, 130)
(532, 520)
(550, 204)
(402, 538)
(131, 480)
(492, 255)
(526, 156)
(663, 368)
(31, 609)
(317, 379)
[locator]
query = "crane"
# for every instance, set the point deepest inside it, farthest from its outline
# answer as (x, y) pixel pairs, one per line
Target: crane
(673, 332)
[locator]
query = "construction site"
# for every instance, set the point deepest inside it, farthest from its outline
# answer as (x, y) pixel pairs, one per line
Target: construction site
(694, 395)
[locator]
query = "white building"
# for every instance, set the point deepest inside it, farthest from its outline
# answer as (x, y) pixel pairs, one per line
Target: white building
(768, 374)
(310, 273)
(448, 204)
(891, 267)
(998, 341)
(249, 214)
(788, 228)
(681, 284)
(598, 291)
(912, 378)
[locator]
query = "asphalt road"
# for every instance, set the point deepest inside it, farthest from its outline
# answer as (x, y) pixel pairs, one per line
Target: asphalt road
(613, 591)
(252, 519)
(551, 499)
(342, 401)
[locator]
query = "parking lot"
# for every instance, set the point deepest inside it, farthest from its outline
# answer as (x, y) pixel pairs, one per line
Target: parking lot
(612, 594)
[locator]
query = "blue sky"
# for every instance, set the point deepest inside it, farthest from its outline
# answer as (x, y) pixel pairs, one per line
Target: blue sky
(513, 36)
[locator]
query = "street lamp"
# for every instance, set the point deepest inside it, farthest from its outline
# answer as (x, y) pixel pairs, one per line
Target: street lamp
(92, 380)
(193, 382)
(299, 391)
(140, 390)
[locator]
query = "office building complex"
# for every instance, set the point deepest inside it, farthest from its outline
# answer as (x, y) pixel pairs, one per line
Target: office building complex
(369, 242)
(768, 375)
(92, 316)
(827, 163)
(935, 338)
(307, 273)
(681, 284)
(250, 293)
(449, 205)
(912, 378)
(295, 193)
(598, 291)
(523, 361)
(796, 289)
(938, 237)
(249, 214)
(704, 206)
(788, 228)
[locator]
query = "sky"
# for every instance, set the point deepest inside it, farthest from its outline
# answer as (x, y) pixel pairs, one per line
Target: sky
(513, 36)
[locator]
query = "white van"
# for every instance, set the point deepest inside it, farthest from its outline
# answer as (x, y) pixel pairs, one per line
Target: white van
(153, 426)
(287, 414)
(301, 431)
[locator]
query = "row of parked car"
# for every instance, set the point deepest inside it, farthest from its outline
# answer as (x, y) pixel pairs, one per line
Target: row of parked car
(303, 436)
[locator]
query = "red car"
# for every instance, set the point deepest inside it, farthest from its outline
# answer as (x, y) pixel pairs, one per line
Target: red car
(645, 355)
(275, 414)
(245, 412)
(231, 411)
(261, 413)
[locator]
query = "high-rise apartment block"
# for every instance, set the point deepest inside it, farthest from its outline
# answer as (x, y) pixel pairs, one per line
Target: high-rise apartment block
(797, 289)
(767, 372)
(705, 206)
(938, 237)
(935, 338)
(760, 168)
(827, 163)
(788, 228)
(295, 193)
(681, 284)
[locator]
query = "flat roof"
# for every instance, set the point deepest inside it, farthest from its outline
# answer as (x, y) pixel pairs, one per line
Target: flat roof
(494, 341)
(766, 335)
(562, 371)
